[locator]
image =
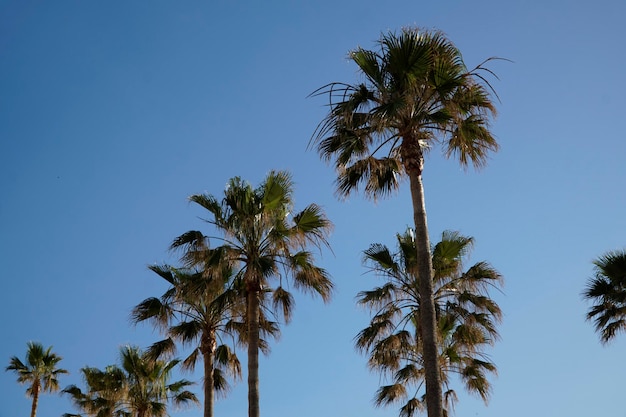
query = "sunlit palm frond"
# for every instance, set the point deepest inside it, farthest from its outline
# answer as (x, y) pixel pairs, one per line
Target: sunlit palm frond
(311, 223)
(310, 278)
(388, 394)
(381, 326)
(227, 360)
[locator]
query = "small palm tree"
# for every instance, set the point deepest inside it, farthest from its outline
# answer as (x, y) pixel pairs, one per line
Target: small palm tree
(149, 388)
(260, 235)
(194, 311)
(40, 372)
(607, 290)
(106, 392)
(416, 92)
(140, 387)
(466, 319)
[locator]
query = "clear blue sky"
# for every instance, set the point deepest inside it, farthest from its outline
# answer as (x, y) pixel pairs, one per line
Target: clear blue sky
(113, 112)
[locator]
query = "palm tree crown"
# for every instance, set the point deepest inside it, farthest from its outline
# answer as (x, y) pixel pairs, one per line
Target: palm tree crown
(466, 319)
(106, 392)
(40, 371)
(192, 311)
(416, 91)
(265, 241)
(607, 290)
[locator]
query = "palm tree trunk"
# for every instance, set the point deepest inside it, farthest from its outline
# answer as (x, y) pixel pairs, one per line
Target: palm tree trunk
(434, 396)
(207, 348)
(36, 388)
(253, 352)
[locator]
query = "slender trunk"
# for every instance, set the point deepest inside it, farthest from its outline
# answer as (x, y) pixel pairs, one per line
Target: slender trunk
(413, 160)
(253, 352)
(36, 389)
(207, 347)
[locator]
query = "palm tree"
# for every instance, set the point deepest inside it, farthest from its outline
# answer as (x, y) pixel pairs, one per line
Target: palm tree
(149, 389)
(106, 392)
(192, 311)
(140, 387)
(466, 319)
(607, 290)
(416, 91)
(257, 233)
(40, 372)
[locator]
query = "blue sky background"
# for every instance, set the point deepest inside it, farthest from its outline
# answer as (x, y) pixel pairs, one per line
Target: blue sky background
(113, 113)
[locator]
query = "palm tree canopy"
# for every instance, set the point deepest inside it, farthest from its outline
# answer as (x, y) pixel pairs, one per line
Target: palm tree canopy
(39, 370)
(416, 91)
(195, 308)
(106, 390)
(262, 238)
(149, 387)
(466, 319)
(607, 290)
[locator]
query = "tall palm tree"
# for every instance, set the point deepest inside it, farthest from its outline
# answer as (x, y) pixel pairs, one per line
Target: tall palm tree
(607, 290)
(416, 92)
(466, 321)
(40, 372)
(192, 311)
(258, 234)
(140, 387)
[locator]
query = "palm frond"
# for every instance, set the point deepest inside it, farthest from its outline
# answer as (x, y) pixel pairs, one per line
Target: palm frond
(388, 394)
(607, 290)
(412, 406)
(154, 310)
(283, 301)
(165, 348)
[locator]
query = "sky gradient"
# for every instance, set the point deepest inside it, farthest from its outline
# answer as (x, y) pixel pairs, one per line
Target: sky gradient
(113, 113)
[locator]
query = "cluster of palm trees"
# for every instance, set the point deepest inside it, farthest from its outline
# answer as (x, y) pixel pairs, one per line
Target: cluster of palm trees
(431, 319)
(416, 92)
(234, 284)
(139, 387)
(231, 286)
